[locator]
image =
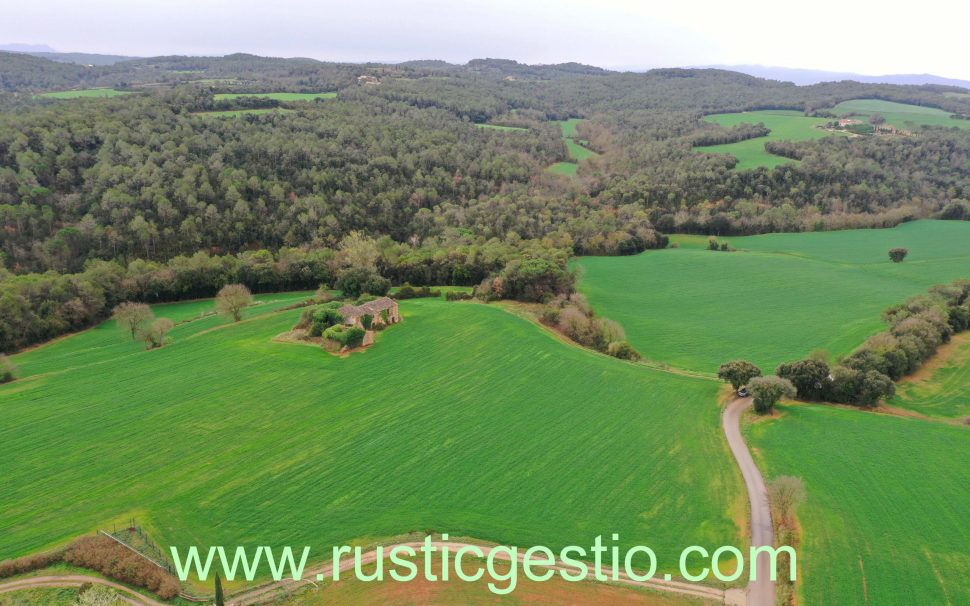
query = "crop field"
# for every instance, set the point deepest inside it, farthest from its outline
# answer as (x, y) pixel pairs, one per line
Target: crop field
(277, 96)
(784, 125)
(885, 519)
(941, 390)
(899, 115)
(464, 419)
(87, 93)
(576, 151)
(776, 299)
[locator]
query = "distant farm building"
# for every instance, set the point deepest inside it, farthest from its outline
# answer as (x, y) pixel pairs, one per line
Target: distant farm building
(367, 79)
(383, 311)
(843, 122)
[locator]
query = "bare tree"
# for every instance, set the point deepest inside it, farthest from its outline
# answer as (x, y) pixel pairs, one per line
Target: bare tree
(154, 335)
(132, 316)
(786, 493)
(232, 300)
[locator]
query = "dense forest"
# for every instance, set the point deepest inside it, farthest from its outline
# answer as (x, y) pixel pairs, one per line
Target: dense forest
(135, 186)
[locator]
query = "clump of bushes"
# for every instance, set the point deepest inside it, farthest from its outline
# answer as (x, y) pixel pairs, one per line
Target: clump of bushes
(713, 244)
(409, 292)
(573, 317)
(357, 281)
(458, 295)
(898, 254)
(317, 319)
(917, 328)
(534, 279)
(8, 371)
(344, 336)
(120, 563)
(29, 563)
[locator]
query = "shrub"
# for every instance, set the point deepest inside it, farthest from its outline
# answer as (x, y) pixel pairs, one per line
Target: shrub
(29, 563)
(768, 390)
(322, 295)
(898, 254)
(99, 595)
(457, 295)
(324, 317)
(409, 292)
(345, 336)
(154, 335)
(623, 351)
(114, 560)
(8, 372)
(366, 320)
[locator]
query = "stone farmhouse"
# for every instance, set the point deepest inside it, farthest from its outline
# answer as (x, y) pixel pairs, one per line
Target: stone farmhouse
(383, 311)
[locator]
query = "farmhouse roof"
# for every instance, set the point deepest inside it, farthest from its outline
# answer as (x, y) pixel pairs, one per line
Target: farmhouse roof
(371, 307)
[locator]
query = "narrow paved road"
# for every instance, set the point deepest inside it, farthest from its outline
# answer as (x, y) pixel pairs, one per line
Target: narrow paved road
(762, 591)
(76, 580)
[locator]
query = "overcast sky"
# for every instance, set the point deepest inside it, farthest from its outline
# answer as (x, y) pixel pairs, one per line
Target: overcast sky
(865, 36)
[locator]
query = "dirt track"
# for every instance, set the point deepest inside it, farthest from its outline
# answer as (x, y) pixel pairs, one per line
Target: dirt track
(257, 595)
(762, 591)
(76, 580)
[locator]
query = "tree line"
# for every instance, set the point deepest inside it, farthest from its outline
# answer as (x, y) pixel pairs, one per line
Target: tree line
(916, 329)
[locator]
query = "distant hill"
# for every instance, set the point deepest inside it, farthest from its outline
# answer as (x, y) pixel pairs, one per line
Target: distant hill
(811, 76)
(46, 52)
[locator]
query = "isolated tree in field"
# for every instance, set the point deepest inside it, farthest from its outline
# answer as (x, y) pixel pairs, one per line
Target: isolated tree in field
(877, 119)
(132, 316)
(232, 300)
(8, 372)
(768, 390)
(154, 334)
(220, 597)
(738, 372)
(898, 254)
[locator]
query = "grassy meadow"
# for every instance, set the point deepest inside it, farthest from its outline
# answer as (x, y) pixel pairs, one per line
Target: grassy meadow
(464, 419)
(576, 151)
(87, 93)
(900, 115)
(885, 520)
(61, 596)
(776, 299)
(784, 125)
(277, 96)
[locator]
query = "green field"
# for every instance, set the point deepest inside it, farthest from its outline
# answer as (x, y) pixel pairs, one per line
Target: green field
(885, 521)
(87, 93)
(775, 300)
(943, 391)
(576, 151)
(899, 115)
(64, 596)
(500, 127)
(784, 125)
(464, 418)
(277, 96)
